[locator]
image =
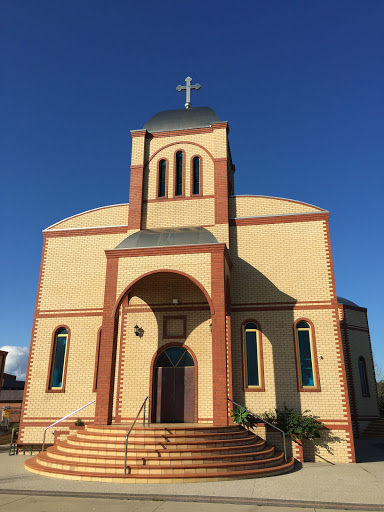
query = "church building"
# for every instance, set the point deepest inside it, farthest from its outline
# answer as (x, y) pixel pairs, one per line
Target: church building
(194, 296)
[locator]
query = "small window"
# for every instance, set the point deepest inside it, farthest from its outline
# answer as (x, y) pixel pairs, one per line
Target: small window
(363, 376)
(179, 174)
(252, 355)
(58, 359)
(304, 352)
(162, 177)
(196, 175)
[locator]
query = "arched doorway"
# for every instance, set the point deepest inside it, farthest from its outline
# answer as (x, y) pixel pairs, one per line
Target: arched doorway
(174, 386)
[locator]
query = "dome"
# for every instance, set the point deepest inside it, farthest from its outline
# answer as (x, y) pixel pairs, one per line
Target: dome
(181, 119)
(346, 302)
(166, 237)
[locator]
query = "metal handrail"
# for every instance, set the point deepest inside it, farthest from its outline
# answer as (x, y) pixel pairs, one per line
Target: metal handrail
(133, 424)
(265, 421)
(65, 417)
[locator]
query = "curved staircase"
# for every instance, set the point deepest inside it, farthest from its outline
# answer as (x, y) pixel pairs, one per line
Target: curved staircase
(375, 430)
(161, 454)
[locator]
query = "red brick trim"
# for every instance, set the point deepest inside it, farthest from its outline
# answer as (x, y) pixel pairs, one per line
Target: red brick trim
(160, 198)
(96, 370)
(328, 250)
(179, 198)
(139, 133)
(182, 196)
(177, 249)
(260, 354)
(108, 342)
(181, 142)
(317, 386)
(219, 356)
(151, 379)
(200, 194)
(135, 197)
(343, 383)
(175, 133)
(220, 125)
(281, 199)
(367, 394)
(175, 317)
(33, 339)
(121, 364)
(282, 308)
(279, 219)
(158, 271)
(111, 230)
(67, 315)
(221, 191)
(53, 340)
(165, 309)
(228, 332)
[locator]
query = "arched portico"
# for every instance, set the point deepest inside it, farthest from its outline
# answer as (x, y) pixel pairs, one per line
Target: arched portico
(202, 326)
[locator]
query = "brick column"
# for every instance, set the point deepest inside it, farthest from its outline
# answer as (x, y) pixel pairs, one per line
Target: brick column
(135, 197)
(219, 356)
(107, 351)
(221, 190)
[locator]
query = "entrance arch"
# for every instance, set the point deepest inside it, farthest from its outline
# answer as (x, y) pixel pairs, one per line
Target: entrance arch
(174, 385)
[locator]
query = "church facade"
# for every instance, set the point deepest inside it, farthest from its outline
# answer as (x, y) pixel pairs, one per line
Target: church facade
(192, 295)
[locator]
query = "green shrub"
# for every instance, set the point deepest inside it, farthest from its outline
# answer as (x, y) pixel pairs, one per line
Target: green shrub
(298, 425)
(79, 423)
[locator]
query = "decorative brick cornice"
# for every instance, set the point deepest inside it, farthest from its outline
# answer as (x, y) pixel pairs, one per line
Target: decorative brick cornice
(138, 133)
(279, 219)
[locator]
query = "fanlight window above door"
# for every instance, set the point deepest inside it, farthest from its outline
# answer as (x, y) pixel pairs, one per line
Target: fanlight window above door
(173, 357)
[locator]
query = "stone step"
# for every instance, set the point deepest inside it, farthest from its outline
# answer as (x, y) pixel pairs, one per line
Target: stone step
(170, 428)
(157, 436)
(34, 466)
(253, 445)
(45, 460)
(55, 453)
(158, 442)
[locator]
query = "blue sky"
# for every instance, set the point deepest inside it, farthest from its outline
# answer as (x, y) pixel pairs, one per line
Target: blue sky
(300, 82)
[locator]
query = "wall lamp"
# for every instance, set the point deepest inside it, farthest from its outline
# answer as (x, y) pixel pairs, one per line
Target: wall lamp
(139, 331)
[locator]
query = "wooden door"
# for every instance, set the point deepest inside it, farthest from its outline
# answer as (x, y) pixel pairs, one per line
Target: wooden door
(174, 388)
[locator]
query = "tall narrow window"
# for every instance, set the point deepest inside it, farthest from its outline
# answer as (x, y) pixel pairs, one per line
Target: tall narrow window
(253, 371)
(363, 376)
(58, 359)
(162, 177)
(307, 365)
(196, 175)
(179, 174)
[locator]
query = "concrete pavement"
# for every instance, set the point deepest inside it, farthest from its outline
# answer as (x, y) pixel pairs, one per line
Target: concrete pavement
(314, 486)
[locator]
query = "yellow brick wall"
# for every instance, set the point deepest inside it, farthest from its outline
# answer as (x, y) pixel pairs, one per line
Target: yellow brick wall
(279, 263)
(355, 318)
(164, 214)
(80, 373)
(74, 273)
(257, 206)
(195, 265)
(280, 363)
(359, 345)
(115, 215)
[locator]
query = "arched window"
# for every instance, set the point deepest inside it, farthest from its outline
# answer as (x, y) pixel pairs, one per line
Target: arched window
(306, 359)
(196, 175)
(253, 359)
(179, 174)
(174, 357)
(363, 376)
(59, 359)
(162, 178)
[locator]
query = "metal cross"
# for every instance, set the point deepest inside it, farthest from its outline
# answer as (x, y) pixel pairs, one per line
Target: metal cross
(188, 88)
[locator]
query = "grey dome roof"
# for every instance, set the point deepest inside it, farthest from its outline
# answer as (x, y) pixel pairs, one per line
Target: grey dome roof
(347, 302)
(168, 236)
(181, 119)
